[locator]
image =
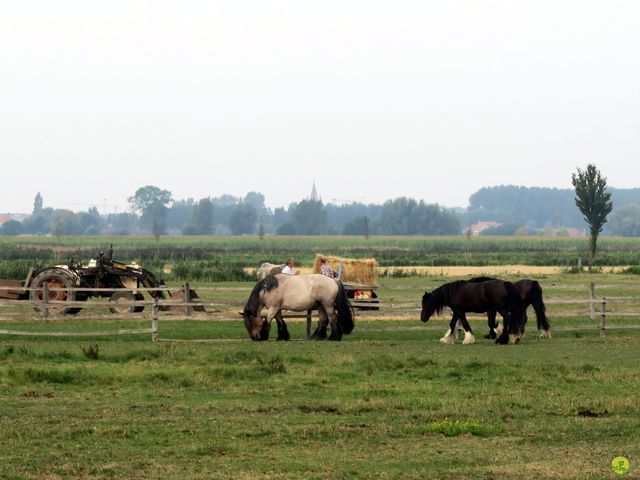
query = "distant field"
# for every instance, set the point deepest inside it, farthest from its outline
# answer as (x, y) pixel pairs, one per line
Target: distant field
(227, 258)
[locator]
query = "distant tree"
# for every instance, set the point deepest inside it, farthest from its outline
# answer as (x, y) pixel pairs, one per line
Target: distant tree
(625, 221)
(65, 222)
(11, 228)
(255, 199)
(405, 216)
(243, 219)
(37, 204)
(39, 224)
(121, 223)
(309, 217)
(358, 226)
(593, 201)
(90, 222)
(152, 203)
(287, 228)
(201, 222)
(180, 214)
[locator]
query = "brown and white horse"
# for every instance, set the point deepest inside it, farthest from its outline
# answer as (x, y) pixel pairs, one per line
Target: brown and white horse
(298, 293)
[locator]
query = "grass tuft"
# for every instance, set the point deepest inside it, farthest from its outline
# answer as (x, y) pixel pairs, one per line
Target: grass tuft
(92, 352)
(272, 365)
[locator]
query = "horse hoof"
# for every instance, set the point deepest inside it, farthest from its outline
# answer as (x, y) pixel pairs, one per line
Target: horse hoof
(469, 338)
(545, 334)
(448, 340)
(514, 339)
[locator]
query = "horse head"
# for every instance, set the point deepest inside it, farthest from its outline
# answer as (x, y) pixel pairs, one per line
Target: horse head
(257, 327)
(431, 303)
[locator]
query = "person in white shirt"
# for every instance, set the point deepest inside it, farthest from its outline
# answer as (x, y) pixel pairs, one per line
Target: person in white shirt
(288, 268)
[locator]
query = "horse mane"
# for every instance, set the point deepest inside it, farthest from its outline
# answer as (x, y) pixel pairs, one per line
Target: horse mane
(267, 284)
(437, 298)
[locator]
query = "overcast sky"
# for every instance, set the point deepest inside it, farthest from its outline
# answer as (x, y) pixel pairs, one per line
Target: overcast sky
(371, 100)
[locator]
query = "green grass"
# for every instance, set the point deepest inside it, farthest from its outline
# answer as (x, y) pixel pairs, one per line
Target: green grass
(388, 402)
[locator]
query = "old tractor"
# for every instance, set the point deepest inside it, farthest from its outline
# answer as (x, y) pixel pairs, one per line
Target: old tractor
(65, 283)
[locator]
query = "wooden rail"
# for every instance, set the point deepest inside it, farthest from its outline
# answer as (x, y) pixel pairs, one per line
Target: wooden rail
(232, 300)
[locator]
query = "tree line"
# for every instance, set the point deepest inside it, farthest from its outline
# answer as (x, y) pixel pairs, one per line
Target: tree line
(155, 211)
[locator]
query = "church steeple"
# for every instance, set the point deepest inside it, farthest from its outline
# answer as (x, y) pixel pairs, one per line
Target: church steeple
(314, 193)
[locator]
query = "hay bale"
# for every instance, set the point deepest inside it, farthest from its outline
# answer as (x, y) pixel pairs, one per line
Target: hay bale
(360, 271)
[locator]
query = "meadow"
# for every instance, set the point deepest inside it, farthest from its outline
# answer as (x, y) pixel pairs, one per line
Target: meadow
(389, 401)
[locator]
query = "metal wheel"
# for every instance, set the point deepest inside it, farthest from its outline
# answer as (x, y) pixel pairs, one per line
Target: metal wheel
(55, 278)
(120, 303)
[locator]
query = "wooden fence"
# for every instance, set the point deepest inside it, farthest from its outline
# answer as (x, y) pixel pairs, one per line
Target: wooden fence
(224, 303)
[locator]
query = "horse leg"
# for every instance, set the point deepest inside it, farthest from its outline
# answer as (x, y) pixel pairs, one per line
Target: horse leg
(266, 325)
(448, 338)
(321, 331)
(283, 332)
(543, 323)
(336, 330)
(491, 321)
(469, 338)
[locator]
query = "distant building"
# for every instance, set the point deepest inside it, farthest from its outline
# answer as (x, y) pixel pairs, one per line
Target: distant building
(19, 217)
(314, 194)
(475, 229)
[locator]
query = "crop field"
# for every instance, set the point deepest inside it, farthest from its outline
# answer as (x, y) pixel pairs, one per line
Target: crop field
(214, 259)
(389, 401)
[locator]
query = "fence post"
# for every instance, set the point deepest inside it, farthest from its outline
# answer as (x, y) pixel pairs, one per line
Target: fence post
(308, 324)
(592, 297)
(154, 321)
(458, 329)
(187, 299)
(45, 301)
(603, 316)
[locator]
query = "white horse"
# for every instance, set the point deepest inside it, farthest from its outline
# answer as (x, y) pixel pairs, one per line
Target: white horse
(267, 269)
(298, 293)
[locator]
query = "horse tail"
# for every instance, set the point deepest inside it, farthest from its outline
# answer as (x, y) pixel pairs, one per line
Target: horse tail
(535, 297)
(516, 307)
(343, 309)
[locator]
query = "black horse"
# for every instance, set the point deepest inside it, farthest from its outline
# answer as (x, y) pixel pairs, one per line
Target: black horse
(531, 294)
(463, 297)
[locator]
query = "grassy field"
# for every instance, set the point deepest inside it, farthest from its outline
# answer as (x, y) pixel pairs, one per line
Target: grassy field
(388, 402)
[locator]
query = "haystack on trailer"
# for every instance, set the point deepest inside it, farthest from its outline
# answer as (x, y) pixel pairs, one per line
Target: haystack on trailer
(359, 278)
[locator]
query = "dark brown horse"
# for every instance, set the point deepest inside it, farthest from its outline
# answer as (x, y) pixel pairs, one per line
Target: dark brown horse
(463, 297)
(531, 294)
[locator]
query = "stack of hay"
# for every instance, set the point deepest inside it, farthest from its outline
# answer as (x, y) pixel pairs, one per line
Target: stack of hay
(362, 272)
